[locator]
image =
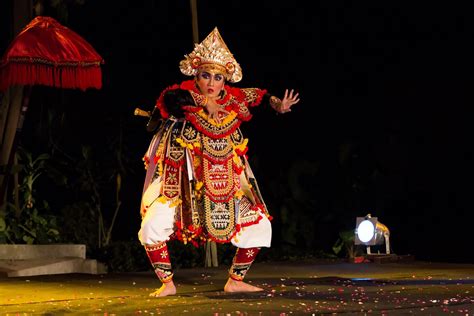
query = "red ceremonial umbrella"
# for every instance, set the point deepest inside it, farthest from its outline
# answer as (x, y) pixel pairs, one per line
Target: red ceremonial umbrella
(45, 53)
(48, 53)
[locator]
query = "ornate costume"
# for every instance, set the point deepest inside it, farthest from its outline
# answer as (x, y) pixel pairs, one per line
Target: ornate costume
(199, 185)
(200, 167)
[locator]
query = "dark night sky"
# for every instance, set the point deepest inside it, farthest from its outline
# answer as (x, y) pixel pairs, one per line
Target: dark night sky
(395, 77)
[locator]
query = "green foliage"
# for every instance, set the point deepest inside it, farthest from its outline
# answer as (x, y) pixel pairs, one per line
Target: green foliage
(90, 217)
(29, 221)
(31, 169)
(78, 224)
(345, 244)
(295, 205)
(313, 198)
(34, 226)
(84, 186)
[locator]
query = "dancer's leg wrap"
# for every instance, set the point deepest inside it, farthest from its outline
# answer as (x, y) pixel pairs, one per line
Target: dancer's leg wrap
(160, 260)
(242, 261)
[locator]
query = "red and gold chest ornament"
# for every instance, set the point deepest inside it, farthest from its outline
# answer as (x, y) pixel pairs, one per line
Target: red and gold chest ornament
(236, 101)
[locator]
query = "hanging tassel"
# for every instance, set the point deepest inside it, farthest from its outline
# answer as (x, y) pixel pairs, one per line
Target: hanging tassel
(69, 77)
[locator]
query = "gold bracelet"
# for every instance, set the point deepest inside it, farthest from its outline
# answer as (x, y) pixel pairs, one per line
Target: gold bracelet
(275, 102)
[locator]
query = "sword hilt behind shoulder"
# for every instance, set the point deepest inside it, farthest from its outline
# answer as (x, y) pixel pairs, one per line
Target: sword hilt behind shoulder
(140, 112)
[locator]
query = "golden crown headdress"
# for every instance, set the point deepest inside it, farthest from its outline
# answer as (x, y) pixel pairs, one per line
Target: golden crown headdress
(212, 53)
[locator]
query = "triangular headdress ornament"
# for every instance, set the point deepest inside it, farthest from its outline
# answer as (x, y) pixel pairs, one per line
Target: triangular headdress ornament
(212, 54)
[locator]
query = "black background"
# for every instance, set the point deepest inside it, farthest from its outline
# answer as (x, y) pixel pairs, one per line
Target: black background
(395, 78)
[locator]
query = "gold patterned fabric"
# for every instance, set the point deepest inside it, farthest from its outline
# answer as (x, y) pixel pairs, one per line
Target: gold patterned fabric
(204, 171)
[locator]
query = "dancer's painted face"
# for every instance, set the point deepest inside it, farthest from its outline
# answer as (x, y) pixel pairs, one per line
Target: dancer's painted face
(210, 84)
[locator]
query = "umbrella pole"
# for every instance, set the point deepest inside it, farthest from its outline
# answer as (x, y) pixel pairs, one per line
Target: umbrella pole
(194, 17)
(24, 107)
(10, 114)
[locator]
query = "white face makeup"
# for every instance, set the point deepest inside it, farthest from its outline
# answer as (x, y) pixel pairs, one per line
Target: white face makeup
(210, 84)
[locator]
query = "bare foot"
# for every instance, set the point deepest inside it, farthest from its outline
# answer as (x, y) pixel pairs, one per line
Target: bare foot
(233, 286)
(165, 290)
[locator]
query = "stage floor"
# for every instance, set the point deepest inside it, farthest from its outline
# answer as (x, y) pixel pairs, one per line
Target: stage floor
(291, 288)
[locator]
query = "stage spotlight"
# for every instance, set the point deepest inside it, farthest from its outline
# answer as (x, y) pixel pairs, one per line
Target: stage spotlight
(370, 232)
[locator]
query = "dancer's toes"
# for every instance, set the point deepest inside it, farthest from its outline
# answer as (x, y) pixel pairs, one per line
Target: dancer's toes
(165, 290)
(233, 286)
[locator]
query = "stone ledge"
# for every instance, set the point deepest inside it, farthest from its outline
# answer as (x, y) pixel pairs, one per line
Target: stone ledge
(30, 260)
(31, 267)
(25, 252)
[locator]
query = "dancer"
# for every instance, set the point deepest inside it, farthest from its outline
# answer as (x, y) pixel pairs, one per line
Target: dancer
(199, 185)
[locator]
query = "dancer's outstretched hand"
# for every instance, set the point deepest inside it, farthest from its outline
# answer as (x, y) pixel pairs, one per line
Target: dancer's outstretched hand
(284, 106)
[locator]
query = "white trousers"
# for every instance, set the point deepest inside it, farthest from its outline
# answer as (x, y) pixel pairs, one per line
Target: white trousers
(158, 224)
